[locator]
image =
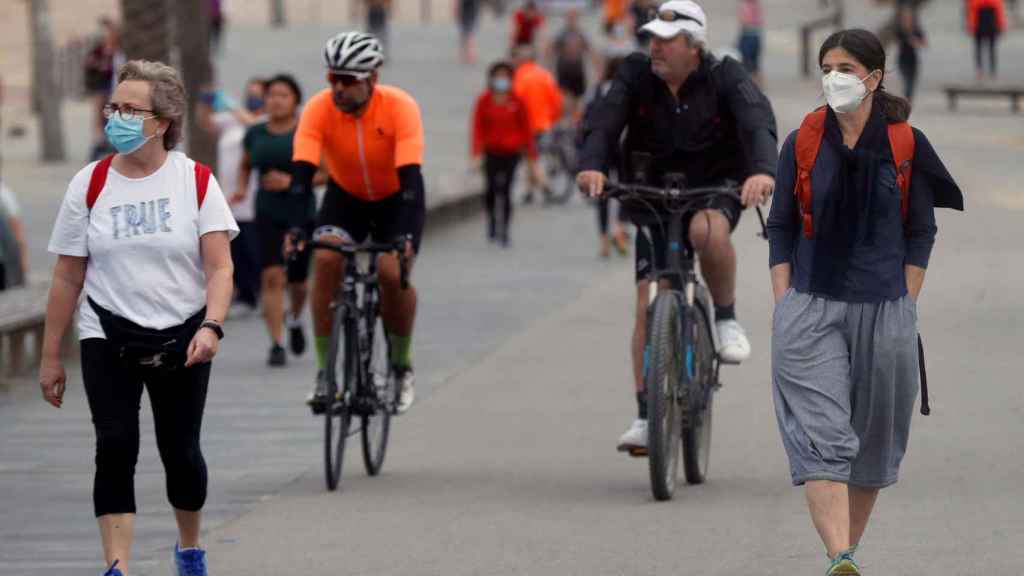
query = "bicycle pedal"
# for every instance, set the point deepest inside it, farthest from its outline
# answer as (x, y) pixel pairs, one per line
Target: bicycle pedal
(635, 452)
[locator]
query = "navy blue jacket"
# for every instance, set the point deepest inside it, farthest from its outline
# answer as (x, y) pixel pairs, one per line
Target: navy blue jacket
(876, 273)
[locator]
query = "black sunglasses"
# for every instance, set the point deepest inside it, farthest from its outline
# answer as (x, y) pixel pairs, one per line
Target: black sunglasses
(345, 80)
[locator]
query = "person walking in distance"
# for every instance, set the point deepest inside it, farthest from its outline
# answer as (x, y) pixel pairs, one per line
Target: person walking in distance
(268, 149)
(145, 235)
(751, 20)
(467, 12)
(986, 21)
(911, 39)
(501, 134)
(851, 230)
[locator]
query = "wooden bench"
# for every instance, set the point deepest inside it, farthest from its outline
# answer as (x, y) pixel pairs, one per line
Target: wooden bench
(23, 314)
(1014, 93)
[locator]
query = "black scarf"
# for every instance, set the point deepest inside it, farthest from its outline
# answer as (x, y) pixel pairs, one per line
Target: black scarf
(846, 214)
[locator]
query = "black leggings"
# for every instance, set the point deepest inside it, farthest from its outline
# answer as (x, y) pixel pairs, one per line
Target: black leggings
(177, 397)
(980, 40)
(501, 171)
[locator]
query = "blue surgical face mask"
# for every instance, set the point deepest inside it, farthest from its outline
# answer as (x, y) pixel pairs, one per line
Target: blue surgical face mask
(501, 84)
(126, 135)
(253, 102)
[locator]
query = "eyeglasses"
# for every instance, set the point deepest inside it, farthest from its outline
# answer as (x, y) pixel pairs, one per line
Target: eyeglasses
(345, 80)
(127, 112)
(673, 16)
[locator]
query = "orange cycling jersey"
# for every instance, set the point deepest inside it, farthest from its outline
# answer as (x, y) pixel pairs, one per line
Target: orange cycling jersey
(362, 153)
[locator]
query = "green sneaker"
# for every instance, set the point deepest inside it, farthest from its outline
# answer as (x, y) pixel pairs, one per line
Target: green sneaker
(844, 565)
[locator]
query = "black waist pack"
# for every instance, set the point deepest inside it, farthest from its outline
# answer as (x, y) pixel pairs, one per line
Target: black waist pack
(165, 349)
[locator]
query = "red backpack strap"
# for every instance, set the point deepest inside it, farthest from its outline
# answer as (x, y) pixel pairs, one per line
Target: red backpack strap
(901, 140)
(202, 182)
(97, 181)
(808, 141)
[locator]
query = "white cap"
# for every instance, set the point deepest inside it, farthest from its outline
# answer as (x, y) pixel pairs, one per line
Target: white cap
(677, 16)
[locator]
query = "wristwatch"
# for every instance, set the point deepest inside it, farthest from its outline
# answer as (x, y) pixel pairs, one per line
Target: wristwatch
(215, 326)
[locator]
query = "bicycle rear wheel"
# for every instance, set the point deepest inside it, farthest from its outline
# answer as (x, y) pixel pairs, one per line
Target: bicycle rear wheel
(381, 387)
(561, 170)
(664, 401)
(341, 364)
(698, 378)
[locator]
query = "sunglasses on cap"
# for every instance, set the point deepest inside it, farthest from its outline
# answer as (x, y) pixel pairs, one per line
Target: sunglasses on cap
(673, 16)
(346, 79)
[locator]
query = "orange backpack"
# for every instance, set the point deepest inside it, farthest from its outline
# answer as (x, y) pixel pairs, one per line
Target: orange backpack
(808, 141)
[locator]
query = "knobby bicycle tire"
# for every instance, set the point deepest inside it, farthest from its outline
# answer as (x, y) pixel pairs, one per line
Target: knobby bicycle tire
(341, 364)
(380, 382)
(699, 387)
(664, 401)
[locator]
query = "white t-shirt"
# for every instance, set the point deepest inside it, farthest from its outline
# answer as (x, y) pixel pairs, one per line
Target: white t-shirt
(142, 241)
(229, 155)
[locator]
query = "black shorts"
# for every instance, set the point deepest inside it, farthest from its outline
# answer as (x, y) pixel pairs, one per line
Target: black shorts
(572, 78)
(401, 214)
(646, 254)
(272, 249)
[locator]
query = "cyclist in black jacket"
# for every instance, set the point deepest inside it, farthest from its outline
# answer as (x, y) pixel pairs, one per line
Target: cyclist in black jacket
(689, 113)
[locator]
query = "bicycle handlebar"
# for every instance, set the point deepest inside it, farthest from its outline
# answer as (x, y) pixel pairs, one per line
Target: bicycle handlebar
(348, 248)
(691, 194)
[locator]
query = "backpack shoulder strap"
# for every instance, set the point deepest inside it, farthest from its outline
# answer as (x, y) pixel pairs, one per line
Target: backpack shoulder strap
(202, 182)
(901, 140)
(808, 141)
(98, 180)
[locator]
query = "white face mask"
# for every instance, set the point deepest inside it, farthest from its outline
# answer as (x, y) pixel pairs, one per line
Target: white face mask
(844, 92)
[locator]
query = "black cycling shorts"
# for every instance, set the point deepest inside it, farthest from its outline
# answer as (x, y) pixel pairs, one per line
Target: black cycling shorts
(401, 214)
(646, 254)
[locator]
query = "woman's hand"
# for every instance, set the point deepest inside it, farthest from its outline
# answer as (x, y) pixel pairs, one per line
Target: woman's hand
(276, 181)
(203, 347)
(52, 381)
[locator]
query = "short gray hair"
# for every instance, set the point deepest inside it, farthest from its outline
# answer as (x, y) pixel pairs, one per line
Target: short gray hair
(167, 94)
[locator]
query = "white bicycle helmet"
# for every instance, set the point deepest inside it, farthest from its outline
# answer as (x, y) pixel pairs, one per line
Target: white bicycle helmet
(355, 53)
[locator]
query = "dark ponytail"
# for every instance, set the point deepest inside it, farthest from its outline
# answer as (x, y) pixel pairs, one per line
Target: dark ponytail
(865, 47)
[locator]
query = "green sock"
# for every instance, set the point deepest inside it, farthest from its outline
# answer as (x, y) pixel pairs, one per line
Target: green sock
(322, 344)
(401, 350)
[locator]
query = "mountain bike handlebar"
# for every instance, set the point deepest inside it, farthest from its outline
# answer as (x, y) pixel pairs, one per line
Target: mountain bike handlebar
(685, 194)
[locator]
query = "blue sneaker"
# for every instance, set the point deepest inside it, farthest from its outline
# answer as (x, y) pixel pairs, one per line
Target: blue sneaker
(113, 571)
(190, 561)
(844, 565)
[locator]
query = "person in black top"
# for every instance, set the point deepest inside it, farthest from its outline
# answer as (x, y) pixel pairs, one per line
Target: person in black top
(268, 150)
(911, 37)
(700, 116)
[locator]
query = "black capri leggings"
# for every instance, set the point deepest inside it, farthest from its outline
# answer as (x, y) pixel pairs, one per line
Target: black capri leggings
(114, 390)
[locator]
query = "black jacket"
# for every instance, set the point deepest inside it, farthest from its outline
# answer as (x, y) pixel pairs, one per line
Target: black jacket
(721, 127)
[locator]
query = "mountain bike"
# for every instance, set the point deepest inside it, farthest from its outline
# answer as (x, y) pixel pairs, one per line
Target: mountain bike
(681, 372)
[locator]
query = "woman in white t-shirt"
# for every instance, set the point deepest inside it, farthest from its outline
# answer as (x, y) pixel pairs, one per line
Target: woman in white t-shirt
(153, 255)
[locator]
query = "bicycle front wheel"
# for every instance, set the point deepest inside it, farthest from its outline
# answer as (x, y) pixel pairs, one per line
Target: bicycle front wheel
(665, 404)
(341, 365)
(698, 378)
(381, 388)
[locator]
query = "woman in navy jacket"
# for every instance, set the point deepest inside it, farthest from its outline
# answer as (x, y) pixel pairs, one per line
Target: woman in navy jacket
(847, 266)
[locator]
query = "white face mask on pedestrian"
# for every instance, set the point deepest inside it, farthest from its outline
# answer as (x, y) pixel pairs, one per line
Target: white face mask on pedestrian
(844, 92)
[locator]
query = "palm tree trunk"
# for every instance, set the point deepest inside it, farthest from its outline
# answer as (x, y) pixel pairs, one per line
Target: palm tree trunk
(146, 31)
(45, 94)
(193, 39)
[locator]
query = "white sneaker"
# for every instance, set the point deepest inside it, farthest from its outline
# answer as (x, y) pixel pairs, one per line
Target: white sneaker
(635, 438)
(407, 382)
(733, 346)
